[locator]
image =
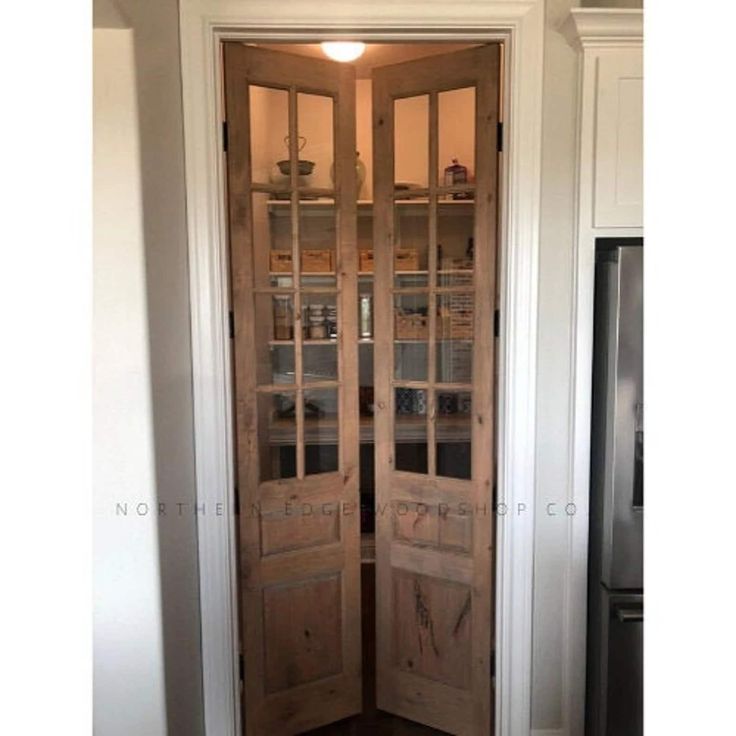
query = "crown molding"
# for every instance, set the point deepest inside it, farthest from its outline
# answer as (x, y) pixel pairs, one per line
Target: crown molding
(604, 27)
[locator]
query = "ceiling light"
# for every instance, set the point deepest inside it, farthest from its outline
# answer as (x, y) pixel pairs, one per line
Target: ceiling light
(343, 50)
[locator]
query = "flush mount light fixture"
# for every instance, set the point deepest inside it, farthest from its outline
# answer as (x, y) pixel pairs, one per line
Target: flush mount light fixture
(343, 50)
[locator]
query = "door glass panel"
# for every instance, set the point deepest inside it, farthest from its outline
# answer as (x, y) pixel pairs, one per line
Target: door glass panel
(455, 243)
(319, 317)
(456, 143)
(319, 362)
(411, 333)
(269, 125)
(411, 235)
(453, 433)
(321, 430)
(274, 334)
(410, 430)
(272, 261)
(276, 435)
(315, 120)
(411, 143)
(317, 242)
(454, 337)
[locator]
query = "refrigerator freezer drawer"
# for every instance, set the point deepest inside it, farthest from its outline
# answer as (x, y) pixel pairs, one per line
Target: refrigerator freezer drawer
(616, 676)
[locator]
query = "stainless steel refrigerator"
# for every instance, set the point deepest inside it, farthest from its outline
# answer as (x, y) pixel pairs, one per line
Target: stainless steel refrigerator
(615, 585)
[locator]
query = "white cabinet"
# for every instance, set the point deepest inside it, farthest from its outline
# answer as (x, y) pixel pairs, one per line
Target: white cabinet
(617, 154)
(610, 175)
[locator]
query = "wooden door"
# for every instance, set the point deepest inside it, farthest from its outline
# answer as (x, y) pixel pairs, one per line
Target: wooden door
(294, 296)
(434, 374)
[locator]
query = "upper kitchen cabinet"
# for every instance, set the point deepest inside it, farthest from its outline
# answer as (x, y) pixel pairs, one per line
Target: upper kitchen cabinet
(611, 116)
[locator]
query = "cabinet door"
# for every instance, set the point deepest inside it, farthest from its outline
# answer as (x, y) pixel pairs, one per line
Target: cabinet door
(618, 138)
(296, 388)
(435, 254)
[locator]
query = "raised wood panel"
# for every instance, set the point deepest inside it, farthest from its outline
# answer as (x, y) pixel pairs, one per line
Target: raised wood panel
(287, 530)
(618, 152)
(432, 628)
(303, 627)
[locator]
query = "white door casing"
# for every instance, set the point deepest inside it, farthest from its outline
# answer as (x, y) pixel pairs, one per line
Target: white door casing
(519, 25)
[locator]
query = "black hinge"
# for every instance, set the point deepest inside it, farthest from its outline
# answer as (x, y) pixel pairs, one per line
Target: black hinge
(493, 667)
(496, 323)
(224, 136)
(231, 324)
(241, 667)
(236, 495)
(499, 137)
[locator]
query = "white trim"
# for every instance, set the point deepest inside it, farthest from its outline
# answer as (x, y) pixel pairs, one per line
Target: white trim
(520, 23)
(589, 29)
(603, 26)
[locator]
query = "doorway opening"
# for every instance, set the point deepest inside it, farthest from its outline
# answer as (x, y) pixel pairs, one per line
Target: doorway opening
(363, 234)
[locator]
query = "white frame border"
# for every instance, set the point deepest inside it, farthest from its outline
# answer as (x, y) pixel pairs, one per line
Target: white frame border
(520, 23)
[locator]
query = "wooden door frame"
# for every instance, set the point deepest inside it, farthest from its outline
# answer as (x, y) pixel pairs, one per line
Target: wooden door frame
(519, 25)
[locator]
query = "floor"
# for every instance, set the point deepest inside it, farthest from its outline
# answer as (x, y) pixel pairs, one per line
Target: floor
(372, 721)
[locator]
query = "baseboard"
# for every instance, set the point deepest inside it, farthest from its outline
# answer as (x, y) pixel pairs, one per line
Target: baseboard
(548, 732)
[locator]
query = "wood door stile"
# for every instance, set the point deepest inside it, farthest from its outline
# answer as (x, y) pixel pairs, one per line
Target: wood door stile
(435, 534)
(299, 572)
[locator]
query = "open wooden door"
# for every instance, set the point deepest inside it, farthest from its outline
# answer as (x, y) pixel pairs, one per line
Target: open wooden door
(435, 420)
(294, 297)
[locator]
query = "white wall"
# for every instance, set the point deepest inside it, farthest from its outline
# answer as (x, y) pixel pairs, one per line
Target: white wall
(147, 631)
(128, 654)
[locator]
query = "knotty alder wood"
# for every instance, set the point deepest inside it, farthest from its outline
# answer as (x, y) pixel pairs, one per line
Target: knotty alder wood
(299, 575)
(434, 576)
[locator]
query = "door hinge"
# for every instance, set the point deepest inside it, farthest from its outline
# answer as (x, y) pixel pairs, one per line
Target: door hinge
(496, 323)
(499, 137)
(224, 136)
(231, 324)
(241, 667)
(236, 499)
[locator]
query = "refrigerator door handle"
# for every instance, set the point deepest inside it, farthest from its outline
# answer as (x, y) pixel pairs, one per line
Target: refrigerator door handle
(637, 500)
(629, 615)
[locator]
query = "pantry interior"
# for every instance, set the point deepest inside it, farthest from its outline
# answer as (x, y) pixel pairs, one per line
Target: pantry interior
(364, 364)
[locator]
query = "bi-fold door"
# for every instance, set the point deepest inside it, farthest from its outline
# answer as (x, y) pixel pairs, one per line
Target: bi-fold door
(296, 389)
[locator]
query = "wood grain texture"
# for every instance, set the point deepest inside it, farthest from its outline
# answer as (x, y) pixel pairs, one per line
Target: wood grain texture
(299, 570)
(436, 570)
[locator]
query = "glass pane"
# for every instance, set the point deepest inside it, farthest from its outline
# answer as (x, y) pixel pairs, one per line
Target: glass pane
(319, 316)
(455, 243)
(411, 254)
(276, 436)
(410, 430)
(316, 140)
(269, 125)
(271, 242)
(321, 430)
(411, 142)
(274, 328)
(456, 141)
(317, 240)
(454, 338)
(411, 332)
(282, 364)
(453, 433)
(319, 362)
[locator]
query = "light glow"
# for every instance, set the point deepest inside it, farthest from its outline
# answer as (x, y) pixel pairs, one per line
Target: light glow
(343, 50)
